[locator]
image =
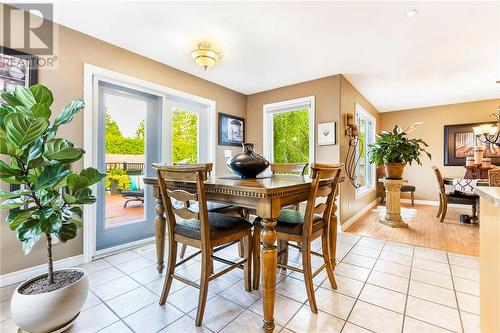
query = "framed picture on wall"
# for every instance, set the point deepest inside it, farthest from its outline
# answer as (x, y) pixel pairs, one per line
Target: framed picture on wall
(327, 134)
(459, 142)
(16, 69)
(231, 130)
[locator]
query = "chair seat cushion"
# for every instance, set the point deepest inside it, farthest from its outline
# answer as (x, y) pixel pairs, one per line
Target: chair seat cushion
(291, 222)
(133, 193)
(221, 225)
(407, 188)
(462, 198)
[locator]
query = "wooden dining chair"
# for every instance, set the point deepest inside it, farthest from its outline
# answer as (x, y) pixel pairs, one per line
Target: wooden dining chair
(215, 207)
(289, 168)
(452, 197)
(209, 232)
(494, 177)
(295, 226)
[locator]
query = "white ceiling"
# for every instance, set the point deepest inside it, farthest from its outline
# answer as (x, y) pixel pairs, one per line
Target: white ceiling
(448, 53)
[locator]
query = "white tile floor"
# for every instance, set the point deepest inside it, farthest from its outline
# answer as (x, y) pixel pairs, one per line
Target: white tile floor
(382, 287)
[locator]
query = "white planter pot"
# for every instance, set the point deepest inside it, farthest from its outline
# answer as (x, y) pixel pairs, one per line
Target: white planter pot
(48, 312)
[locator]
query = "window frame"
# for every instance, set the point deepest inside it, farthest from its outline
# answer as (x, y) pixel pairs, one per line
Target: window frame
(192, 107)
(285, 106)
(364, 190)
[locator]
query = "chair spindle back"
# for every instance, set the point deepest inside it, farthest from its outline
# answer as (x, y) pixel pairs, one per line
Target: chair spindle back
(321, 173)
(197, 173)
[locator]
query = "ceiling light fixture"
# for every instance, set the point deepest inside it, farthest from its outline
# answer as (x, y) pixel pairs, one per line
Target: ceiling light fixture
(411, 13)
(205, 56)
(488, 133)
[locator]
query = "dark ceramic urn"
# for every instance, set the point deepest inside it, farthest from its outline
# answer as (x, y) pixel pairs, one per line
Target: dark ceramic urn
(247, 164)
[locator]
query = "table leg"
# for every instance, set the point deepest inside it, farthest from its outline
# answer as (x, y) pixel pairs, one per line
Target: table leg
(160, 234)
(268, 259)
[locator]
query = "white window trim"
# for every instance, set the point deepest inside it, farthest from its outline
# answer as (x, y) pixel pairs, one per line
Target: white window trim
(284, 106)
(367, 190)
(90, 116)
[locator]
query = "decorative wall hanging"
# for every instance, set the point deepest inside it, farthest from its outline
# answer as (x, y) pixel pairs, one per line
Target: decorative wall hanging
(231, 130)
(352, 157)
(459, 143)
(327, 134)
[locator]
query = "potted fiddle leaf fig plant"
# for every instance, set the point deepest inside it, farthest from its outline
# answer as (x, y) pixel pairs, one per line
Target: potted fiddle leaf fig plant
(46, 205)
(395, 149)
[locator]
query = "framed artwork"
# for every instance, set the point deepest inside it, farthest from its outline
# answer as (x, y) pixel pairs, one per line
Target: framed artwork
(459, 142)
(16, 69)
(231, 130)
(327, 134)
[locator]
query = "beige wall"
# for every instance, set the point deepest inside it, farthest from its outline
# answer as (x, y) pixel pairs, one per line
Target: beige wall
(326, 95)
(432, 132)
(349, 96)
(75, 49)
(334, 97)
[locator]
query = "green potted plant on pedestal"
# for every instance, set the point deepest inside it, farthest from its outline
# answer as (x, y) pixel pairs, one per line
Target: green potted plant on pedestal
(46, 205)
(394, 150)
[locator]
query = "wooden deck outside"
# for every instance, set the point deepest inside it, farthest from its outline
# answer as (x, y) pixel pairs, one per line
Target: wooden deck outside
(116, 215)
(425, 229)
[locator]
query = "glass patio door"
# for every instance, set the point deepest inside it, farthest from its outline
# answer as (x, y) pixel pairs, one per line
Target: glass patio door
(128, 143)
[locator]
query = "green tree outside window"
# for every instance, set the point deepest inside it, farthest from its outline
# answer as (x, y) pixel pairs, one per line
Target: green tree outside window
(291, 136)
(184, 137)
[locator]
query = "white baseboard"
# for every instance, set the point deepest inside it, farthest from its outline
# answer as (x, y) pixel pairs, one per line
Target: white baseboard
(356, 216)
(434, 203)
(24, 274)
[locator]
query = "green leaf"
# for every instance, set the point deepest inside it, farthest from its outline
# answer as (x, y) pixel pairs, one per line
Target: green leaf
(76, 182)
(62, 150)
(7, 148)
(50, 176)
(29, 234)
(14, 203)
(25, 96)
(93, 175)
(84, 196)
(17, 217)
(13, 195)
(5, 110)
(11, 99)
(67, 231)
(35, 150)
(69, 112)
(12, 180)
(50, 224)
(42, 95)
(22, 131)
(69, 199)
(40, 111)
(8, 171)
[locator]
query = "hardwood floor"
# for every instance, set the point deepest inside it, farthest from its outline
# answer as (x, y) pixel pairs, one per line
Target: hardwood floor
(425, 229)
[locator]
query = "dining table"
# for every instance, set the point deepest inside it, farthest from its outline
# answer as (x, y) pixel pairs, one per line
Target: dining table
(265, 195)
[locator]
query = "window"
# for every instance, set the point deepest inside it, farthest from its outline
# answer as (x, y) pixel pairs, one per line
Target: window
(184, 136)
(289, 131)
(187, 132)
(365, 170)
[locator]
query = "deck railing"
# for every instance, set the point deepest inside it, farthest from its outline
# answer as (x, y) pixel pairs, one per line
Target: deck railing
(131, 167)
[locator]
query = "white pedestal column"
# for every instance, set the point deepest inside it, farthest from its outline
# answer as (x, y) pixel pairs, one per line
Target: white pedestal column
(392, 216)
